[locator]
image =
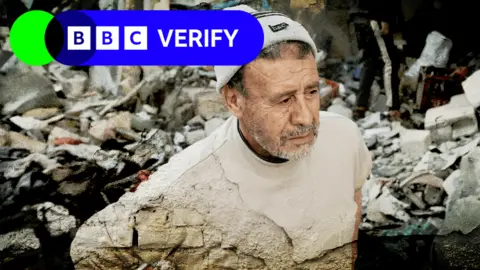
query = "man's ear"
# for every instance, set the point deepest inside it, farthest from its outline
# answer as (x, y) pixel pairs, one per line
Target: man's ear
(234, 100)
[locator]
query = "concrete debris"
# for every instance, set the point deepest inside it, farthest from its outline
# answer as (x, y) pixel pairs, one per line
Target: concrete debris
(66, 154)
(387, 205)
(471, 86)
(24, 92)
(102, 80)
(463, 205)
(415, 142)
(28, 123)
(195, 136)
(436, 53)
(58, 221)
(426, 169)
(451, 121)
(42, 113)
(17, 243)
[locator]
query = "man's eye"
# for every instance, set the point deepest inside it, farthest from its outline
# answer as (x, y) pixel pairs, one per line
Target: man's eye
(286, 100)
(313, 92)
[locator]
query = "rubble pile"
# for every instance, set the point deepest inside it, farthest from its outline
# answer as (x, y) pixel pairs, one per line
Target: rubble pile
(414, 179)
(74, 140)
(425, 174)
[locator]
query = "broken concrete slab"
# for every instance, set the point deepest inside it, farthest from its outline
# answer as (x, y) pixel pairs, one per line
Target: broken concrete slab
(462, 119)
(18, 242)
(23, 92)
(451, 183)
(463, 215)
(142, 121)
(59, 221)
(28, 123)
(459, 101)
(106, 128)
(371, 121)
(42, 113)
(471, 87)
(195, 136)
(463, 204)
(415, 142)
(387, 204)
(102, 79)
(18, 140)
(442, 134)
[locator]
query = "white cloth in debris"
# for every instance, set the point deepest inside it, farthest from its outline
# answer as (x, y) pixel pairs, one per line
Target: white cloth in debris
(311, 199)
(271, 23)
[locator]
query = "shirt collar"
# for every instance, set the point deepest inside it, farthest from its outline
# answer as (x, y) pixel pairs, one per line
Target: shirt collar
(271, 159)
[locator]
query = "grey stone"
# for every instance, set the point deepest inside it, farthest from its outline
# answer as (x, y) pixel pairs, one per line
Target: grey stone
(18, 242)
(178, 138)
(195, 136)
(196, 120)
(58, 220)
(22, 92)
(142, 121)
(462, 119)
(371, 121)
(415, 142)
(370, 141)
(387, 204)
(433, 195)
(102, 79)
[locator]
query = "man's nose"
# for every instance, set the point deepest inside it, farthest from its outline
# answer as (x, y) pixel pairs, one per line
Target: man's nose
(301, 114)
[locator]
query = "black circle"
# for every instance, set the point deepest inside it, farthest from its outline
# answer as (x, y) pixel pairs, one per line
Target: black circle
(54, 38)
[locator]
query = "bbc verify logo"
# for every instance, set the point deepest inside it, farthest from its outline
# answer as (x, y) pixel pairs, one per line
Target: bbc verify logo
(107, 38)
(136, 38)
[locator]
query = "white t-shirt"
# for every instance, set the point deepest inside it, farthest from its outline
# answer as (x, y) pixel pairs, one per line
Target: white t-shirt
(311, 199)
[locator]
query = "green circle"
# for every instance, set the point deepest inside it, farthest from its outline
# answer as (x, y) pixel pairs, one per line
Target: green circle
(27, 38)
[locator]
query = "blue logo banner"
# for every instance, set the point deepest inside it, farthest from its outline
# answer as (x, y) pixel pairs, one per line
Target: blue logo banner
(161, 38)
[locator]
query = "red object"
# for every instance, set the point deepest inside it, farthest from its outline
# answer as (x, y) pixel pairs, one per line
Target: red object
(142, 176)
(437, 85)
(326, 99)
(67, 140)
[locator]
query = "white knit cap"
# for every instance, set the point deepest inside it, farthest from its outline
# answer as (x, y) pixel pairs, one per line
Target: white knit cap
(276, 28)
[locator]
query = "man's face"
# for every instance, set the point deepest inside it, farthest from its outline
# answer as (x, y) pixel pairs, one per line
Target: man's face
(281, 110)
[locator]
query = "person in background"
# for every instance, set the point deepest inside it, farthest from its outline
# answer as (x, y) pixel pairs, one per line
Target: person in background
(387, 14)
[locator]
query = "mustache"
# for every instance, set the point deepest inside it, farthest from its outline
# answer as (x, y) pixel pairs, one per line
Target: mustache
(301, 130)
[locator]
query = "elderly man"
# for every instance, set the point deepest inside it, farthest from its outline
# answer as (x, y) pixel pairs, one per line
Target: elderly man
(273, 187)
